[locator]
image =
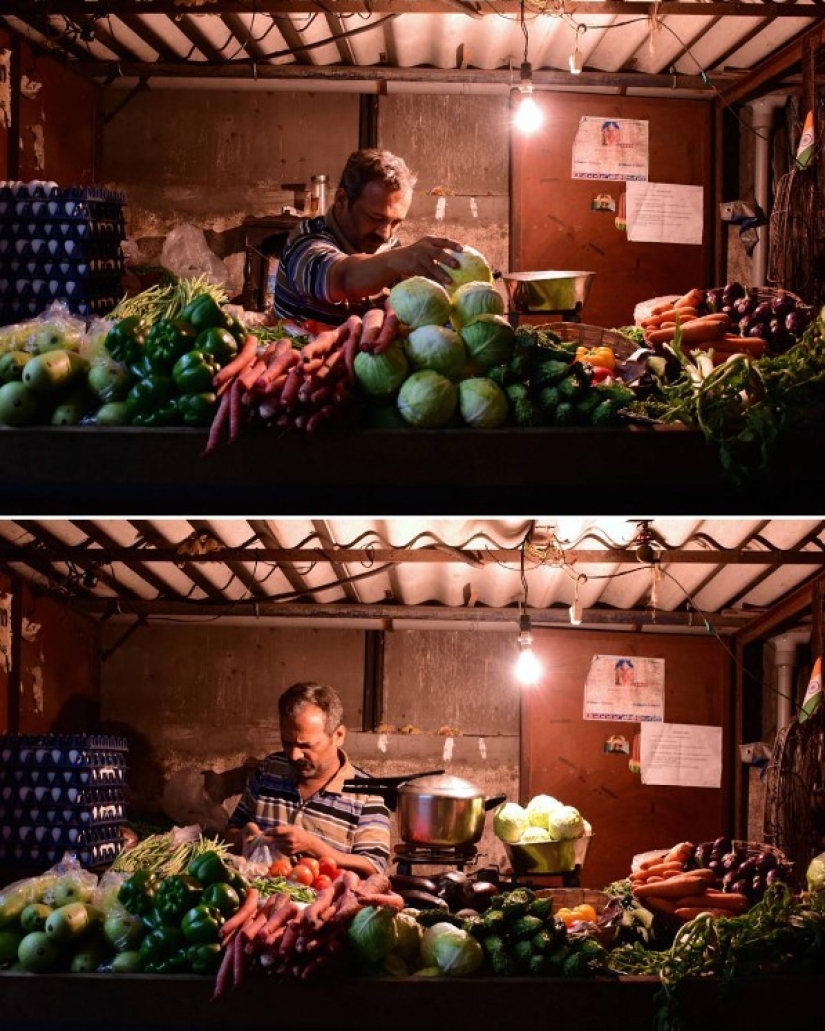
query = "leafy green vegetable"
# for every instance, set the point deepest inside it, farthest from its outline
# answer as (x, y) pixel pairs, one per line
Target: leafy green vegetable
(418, 301)
(482, 403)
(373, 932)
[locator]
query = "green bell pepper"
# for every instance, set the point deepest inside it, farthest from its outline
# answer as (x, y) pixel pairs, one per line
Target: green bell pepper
(239, 883)
(163, 951)
(204, 959)
(222, 897)
(237, 329)
(151, 402)
(219, 342)
(200, 925)
(194, 371)
(197, 409)
(137, 893)
(209, 868)
(203, 312)
(125, 340)
(175, 896)
(166, 341)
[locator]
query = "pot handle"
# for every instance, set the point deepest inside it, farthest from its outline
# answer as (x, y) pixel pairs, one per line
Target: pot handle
(491, 803)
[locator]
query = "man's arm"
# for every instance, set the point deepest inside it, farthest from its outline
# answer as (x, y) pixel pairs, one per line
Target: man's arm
(357, 276)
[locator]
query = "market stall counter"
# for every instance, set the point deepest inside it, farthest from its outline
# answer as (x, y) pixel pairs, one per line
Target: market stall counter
(138, 470)
(58, 1002)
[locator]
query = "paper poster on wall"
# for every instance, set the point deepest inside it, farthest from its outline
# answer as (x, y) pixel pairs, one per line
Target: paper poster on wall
(681, 754)
(664, 213)
(610, 148)
(621, 687)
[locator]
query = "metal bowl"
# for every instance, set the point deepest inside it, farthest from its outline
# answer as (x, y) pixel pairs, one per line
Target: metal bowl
(547, 291)
(548, 856)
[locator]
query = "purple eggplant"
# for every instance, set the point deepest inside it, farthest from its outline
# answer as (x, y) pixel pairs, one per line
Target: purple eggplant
(796, 322)
(762, 311)
(781, 339)
(714, 298)
(782, 305)
(732, 292)
(757, 329)
(743, 306)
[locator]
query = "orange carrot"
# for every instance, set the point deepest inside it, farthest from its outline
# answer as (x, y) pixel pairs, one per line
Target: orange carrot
(239, 918)
(692, 299)
(668, 315)
(372, 324)
(244, 357)
(673, 888)
(691, 912)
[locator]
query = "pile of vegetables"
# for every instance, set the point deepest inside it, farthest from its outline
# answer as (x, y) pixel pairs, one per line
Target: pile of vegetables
(543, 819)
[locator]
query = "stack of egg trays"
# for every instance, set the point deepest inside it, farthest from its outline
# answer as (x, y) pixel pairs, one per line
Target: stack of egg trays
(61, 793)
(59, 245)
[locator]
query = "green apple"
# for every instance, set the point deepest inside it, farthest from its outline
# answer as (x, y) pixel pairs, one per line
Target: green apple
(109, 380)
(38, 952)
(19, 406)
(34, 916)
(113, 413)
(124, 931)
(71, 888)
(67, 922)
(9, 943)
(127, 962)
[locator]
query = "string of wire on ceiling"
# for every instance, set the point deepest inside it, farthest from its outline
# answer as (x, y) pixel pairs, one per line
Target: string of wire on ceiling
(528, 668)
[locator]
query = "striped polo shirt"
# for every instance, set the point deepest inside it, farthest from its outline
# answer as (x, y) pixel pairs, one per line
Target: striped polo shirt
(359, 824)
(302, 277)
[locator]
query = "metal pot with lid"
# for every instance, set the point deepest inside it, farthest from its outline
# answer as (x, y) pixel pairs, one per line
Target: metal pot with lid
(442, 810)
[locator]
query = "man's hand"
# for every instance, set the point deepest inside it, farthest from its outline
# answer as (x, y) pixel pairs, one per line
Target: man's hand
(291, 840)
(425, 258)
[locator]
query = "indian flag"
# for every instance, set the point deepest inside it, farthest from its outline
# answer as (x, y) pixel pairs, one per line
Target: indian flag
(805, 150)
(813, 693)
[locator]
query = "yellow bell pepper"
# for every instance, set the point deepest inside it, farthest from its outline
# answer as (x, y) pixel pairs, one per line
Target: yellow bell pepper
(602, 356)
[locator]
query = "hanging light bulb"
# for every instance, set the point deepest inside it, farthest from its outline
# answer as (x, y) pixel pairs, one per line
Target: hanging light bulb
(576, 61)
(575, 609)
(528, 113)
(528, 667)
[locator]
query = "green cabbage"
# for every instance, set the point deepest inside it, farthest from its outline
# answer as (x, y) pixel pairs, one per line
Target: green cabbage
(472, 267)
(439, 348)
(510, 821)
(380, 375)
(534, 834)
(482, 403)
(539, 809)
(419, 301)
(372, 932)
(489, 339)
(472, 300)
(455, 952)
(565, 823)
(408, 944)
(815, 874)
(427, 399)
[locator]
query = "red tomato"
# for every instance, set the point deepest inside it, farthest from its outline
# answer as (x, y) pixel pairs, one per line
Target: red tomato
(321, 881)
(312, 863)
(302, 874)
(281, 868)
(329, 867)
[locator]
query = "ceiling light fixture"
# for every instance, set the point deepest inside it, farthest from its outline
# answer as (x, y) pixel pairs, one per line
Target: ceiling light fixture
(528, 667)
(576, 61)
(576, 608)
(528, 113)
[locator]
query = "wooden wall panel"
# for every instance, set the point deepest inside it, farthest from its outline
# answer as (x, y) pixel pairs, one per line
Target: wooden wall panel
(554, 226)
(563, 754)
(59, 685)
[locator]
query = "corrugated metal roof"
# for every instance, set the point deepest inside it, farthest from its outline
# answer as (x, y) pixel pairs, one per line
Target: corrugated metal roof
(695, 45)
(676, 574)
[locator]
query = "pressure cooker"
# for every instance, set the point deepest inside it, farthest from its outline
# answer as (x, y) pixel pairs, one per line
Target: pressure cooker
(442, 810)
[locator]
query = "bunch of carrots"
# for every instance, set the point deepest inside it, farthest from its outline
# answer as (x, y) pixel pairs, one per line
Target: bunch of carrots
(698, 332)
(300, 388)
(665, 887)
(290, 941)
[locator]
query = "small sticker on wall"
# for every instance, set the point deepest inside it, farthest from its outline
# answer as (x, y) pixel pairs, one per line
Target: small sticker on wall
(603, 202)
(617, 743)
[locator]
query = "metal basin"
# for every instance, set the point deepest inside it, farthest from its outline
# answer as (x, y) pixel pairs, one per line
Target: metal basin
(547, 291)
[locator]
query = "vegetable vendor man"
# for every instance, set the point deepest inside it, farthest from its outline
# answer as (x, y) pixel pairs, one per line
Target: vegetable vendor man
(295, 803)
(342, 262)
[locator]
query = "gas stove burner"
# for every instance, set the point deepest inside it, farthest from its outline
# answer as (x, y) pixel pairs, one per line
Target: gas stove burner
(407, 854)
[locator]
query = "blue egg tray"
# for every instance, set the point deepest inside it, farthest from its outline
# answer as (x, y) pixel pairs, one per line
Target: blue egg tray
(46, 855)
(17, 813)
(60, 749)
(48, 266)
(47, 795)
(91, 229)
(60, 248)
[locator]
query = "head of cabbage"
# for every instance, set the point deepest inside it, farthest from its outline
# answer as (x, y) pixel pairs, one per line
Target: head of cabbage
(472, 265)
(815, 874)
(565, 823)
(439, 348)
(408, 944)
(419, 301)
(510, 822)
(489, 339)
(427, 399)
(372, 932)
(455, 952)
(482, 403)
(472, 300)
(534, 834)
(539, 809)
(380, 375)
